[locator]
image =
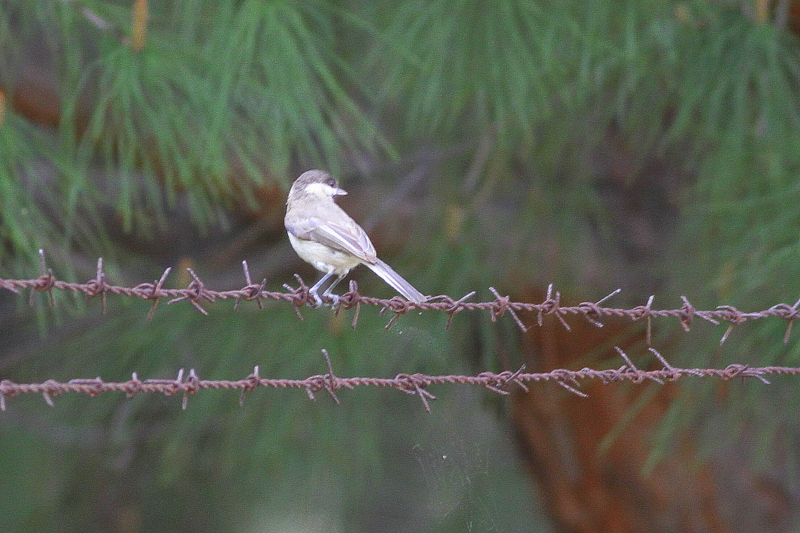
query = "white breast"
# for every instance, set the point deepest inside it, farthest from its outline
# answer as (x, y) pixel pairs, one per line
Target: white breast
(324, 258)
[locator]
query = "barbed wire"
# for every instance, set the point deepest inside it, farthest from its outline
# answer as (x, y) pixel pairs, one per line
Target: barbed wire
(197, 293)
(414, 384)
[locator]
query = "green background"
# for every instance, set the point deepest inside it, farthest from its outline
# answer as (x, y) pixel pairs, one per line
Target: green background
(645, 145)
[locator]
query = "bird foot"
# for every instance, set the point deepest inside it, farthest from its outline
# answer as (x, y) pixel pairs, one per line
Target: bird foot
(319, 302)
(317, 299)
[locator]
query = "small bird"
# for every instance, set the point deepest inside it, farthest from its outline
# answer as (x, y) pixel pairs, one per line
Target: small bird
(324, 235)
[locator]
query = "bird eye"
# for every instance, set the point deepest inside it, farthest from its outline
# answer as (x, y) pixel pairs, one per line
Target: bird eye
(331, 182)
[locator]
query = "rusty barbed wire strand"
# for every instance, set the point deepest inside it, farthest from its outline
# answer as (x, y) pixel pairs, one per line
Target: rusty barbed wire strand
(413, 384)
(196, 293)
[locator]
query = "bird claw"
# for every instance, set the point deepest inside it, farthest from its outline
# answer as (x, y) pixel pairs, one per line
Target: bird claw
(319, 302)
(317, 299)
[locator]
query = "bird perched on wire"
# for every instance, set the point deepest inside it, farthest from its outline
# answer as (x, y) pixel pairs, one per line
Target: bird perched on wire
(324, 235)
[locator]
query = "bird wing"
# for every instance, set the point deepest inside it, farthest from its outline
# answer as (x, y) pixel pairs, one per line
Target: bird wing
(340, 234)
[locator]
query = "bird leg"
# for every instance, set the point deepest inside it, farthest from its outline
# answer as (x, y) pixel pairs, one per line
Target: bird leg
(334, 297)
(313, 290)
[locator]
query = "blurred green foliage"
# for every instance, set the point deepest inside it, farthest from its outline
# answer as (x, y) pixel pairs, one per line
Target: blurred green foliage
(645, 144)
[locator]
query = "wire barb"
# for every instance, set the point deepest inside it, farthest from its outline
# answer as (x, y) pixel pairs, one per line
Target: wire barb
(331, 379)
(44, 283)
(503, 305)
(195, 292)
(791, 321)
(98, 286)
(155, 292)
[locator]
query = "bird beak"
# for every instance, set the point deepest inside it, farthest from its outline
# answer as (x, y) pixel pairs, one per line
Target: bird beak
(339, 192)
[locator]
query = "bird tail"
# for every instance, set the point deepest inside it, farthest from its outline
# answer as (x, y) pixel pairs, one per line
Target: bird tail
(396, 281)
